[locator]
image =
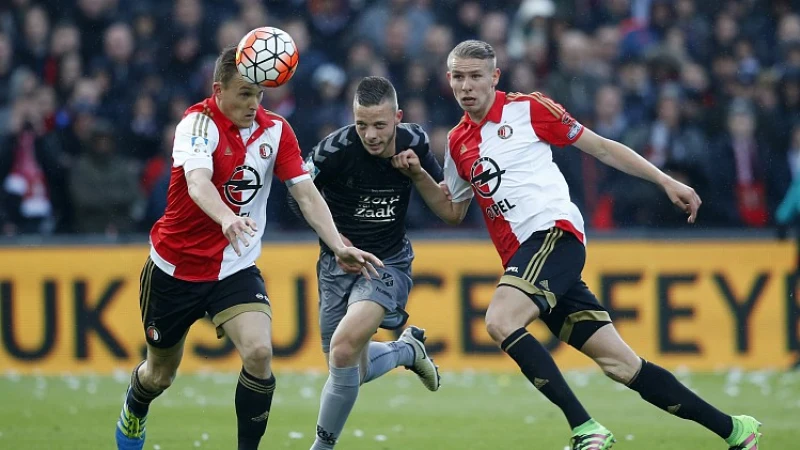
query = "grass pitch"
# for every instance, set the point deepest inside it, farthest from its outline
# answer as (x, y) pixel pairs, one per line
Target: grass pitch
(471, 411)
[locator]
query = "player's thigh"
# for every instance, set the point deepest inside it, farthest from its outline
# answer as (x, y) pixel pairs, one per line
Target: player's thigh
(168, 307)
(251, 334)
(577, 316)
(358, 325)
(540, 271)
(390, 289)
(239, 308)
(334, 286)
(545, 267)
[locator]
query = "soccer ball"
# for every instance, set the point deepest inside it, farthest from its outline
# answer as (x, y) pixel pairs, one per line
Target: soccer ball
(267, 56)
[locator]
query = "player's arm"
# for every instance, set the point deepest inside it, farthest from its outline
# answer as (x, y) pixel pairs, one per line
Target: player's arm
(450, 208)
(622, 157)
(290, 169)
(554, 125)
(321, 164)
(205, 195)
(318, 216)
(196, 139)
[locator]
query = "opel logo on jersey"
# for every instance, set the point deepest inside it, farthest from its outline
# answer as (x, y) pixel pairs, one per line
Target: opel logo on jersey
(265, 150)
(485, 176)
(243, 186)
(505, 132)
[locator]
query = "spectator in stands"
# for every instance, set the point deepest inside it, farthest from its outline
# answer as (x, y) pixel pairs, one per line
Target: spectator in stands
(747, 177)
(572, 83)
(104, 186)
(107, 57)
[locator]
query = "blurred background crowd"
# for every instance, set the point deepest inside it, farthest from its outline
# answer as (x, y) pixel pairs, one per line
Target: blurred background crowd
(709, 91)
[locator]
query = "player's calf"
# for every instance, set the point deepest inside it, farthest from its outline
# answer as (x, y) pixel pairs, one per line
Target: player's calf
(253, 403)
(654, 384)
(621, 369)
(254, 393)
(511, 307)
(250, 332)
(130, 430)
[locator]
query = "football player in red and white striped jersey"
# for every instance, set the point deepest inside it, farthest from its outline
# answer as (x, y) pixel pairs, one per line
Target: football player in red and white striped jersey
(500, 154)
(204, 248)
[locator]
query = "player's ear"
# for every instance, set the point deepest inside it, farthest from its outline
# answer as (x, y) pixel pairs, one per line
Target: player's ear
(495, 76)
(398, 116)
(216, 88)
(448, 76)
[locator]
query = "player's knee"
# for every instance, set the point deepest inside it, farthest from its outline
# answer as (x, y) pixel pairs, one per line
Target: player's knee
(500, 326)
(621, 370)
(344, 353)
(257, 356)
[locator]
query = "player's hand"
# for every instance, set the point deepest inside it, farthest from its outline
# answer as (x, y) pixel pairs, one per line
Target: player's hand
(684, 197)
(364, 261)
(348, 268)
(446, 191)
(407, 162)
(237, 229)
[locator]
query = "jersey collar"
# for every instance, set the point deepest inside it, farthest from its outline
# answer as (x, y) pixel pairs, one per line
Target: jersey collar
(495, 113)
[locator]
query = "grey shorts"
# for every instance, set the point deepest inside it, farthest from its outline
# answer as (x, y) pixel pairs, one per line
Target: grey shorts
(338, 290)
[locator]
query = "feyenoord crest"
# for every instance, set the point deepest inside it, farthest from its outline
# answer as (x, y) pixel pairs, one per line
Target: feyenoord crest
(265, 150)
(505, 132)
(153, 334)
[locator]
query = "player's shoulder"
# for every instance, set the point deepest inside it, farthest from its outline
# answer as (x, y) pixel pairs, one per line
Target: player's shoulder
(459, 126)
(454, 136)
(270, 118)
(411, 135)
(537, 96)
(198, 121)
(337, 142)
(539, 103)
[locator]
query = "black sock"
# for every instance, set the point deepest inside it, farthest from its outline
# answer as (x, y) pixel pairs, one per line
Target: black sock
(660, 388)
(253, 400)
(139, 398)
(538, 366)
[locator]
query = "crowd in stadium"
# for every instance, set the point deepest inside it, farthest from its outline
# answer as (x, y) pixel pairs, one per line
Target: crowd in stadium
(708, 91)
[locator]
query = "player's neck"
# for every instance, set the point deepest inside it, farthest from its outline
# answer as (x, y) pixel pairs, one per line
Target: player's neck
(390, 149)
(222, 107)
(478, 117)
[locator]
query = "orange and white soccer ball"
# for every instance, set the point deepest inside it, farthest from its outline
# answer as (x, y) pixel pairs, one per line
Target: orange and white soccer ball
(267, 56)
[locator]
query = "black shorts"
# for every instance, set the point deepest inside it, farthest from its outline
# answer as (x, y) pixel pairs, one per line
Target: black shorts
(170, 306)
(547, 267)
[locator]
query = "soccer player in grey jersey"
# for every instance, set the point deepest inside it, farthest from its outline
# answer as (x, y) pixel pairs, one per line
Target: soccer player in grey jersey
(369, 200)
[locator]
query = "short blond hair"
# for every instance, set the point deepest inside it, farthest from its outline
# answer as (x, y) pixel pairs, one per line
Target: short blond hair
(473, 49)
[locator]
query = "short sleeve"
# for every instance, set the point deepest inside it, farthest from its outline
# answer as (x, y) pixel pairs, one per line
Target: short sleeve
(196, 139)
(460, 189)
(552, 123)
(289, 166)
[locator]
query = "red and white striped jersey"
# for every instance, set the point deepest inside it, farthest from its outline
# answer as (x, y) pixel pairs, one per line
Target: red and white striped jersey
(507, 164)
(185, 242)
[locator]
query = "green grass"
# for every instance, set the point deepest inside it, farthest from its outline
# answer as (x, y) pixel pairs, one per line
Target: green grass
(471, 411)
